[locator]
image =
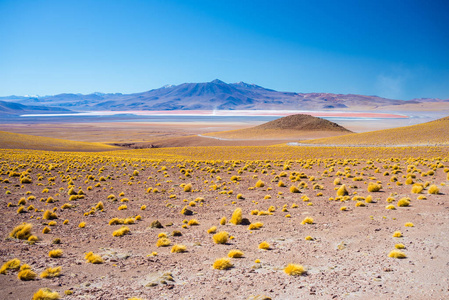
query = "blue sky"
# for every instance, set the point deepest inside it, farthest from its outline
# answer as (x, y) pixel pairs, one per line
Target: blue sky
(396, 49)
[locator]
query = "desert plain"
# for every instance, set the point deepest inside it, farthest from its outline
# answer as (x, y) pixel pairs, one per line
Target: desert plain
(135, 209)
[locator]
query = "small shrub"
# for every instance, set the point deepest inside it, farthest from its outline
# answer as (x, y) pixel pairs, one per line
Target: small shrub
(342, 191)
(46, 230)
(374, 187)
(260, 183)
(294, 189)
(55, 253)
(255, 226)
(294, 270)
(51, 272)
(236, 218)
(264, 246)
(121, 232)
(13, 264)
(397, 254)
(417, 189)
(433, 189)
(26, 275)
(22, 232)
(193, 222)
(48, 215)
(93, 258)
(186, 211)
(221, 237)
(307, 220)
(45, 294)
(222, 264)
(163, 242)
(404, 202)
(397, 234)
(82, 225)
(178, 249)
(399, 246)
(235, 254)
(409, 224)
(188, 188)
(211, 230)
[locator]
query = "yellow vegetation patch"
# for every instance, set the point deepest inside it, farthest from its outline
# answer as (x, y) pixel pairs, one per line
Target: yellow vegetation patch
(222, 264)
(255, 226)
(51, 272)
(397, 254)
(163, 242)
(13, 264)
(235, 254)
(221, 237)
(121, 232)
(26, 275)
(57, 253)
(22, 232)
(236, 218)
(45, 294)
(294, 270)
(93, 258)
(264, 246)
(307, 220)
(178, 249)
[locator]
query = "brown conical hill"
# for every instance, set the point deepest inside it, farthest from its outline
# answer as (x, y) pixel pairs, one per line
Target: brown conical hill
(294, 127)
(302, 122)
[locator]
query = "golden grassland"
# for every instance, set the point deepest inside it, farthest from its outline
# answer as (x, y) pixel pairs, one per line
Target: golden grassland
(276, 134)
(430, 133)
(24, 141)
(222, 207)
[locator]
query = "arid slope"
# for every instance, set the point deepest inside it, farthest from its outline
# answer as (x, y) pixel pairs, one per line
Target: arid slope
(430, 133)
(10, 140)
(294, 126)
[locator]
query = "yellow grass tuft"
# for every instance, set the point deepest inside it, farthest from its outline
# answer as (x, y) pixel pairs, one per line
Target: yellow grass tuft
(222, 264)
(235, 254)
(342, 191)
(307, 220)
(55, 253)
(178, 249)
(374, 187)
(397, 254)
(255, 226)
(343, 208)
(391, 206)
(260, 183)
(121, 232)
(82, 225)
(397, 234)
(309, 238)
(417, 189)
(48, 215)
(211, 230)
(51, 272)
(12, 264)
(221, 237)
(188, 188)
(404, 202)
(22, 232)
(93, 258)
(236, 218)
(46, 230)
(264, 246)
(294, 270)
(433, 189)
(163, 242)
(399, 246)
(193, 222)
(45, 294)
(26, 275)
(294, 189)
(409, 224)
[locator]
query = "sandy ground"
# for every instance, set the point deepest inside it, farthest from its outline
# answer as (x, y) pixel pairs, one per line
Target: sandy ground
(346, 260)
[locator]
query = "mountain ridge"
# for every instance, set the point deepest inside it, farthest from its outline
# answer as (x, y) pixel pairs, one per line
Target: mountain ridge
(212, 95)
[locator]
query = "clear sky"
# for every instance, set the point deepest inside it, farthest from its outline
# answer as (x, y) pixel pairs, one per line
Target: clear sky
(393, 48)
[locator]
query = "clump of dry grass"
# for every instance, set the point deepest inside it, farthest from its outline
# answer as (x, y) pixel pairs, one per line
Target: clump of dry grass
(236, 218)
(26, 275)
(235, 254)
(433, 189)
(93, 258)
(260, 183)
(13, 264)
(391, 207)
(178, 249)
(264, 245)
(221, 237)
(163, 242)
(409, 224)
(404, 202)
(417, 189)
(294, 270)
(399, 246)
(397, 234)
(82, 225)
(342, 191)
(397, 254)
(45, 294)
(211, 230)
(188, 188)
(57, 253)
(255, 226)
(122, 231)
(294, 189)
(21, 232)
(307, 220)
(374, 187)
(223, 221)
(222, 264)
(48, 215)
(51, 272)
(193, 222)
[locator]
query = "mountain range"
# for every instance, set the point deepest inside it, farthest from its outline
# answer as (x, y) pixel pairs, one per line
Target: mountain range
(199, 96)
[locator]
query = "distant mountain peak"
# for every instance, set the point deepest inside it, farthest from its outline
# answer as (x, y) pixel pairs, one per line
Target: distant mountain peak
(218, 81)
